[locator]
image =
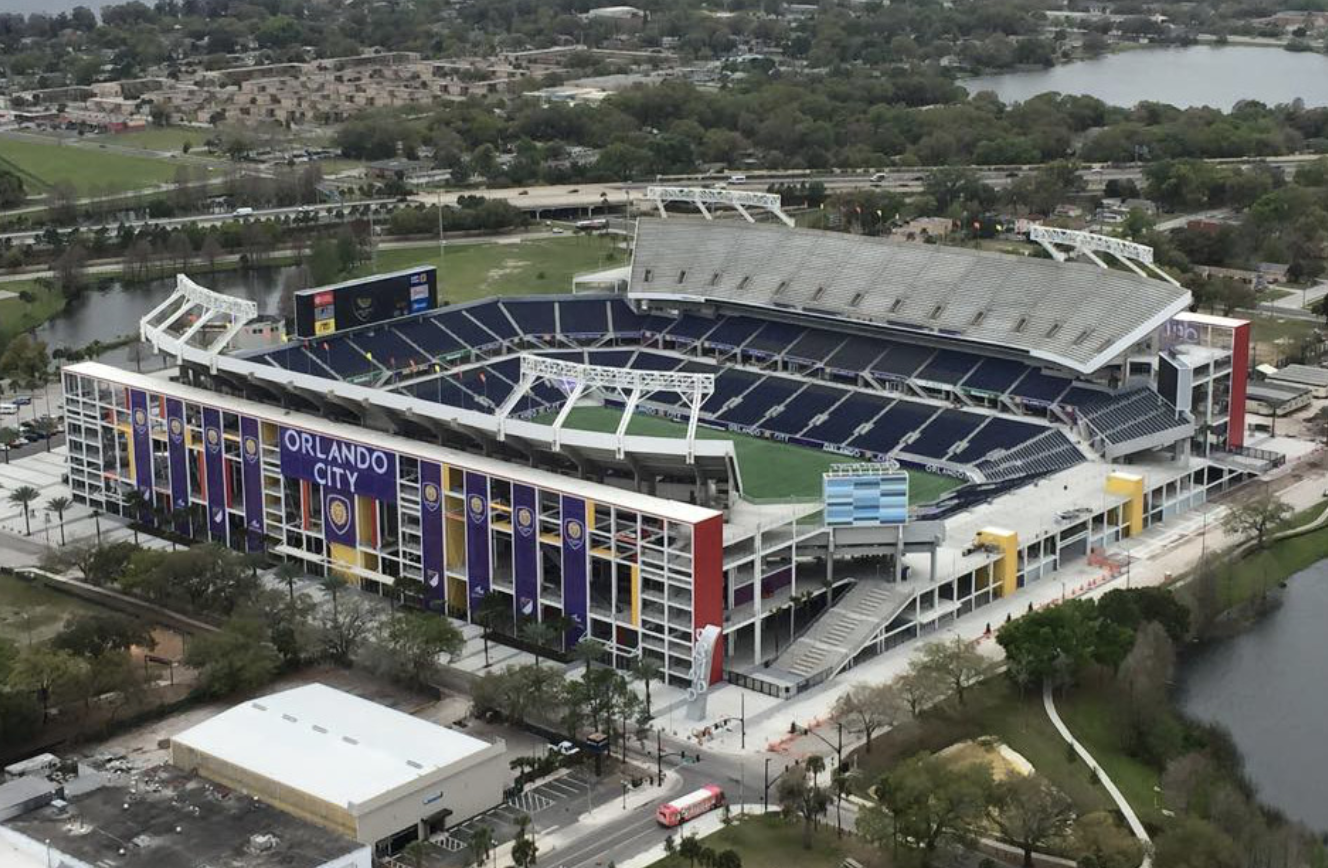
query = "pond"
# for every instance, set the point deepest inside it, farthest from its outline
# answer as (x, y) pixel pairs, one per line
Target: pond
(1200, 75)
(1268, 686)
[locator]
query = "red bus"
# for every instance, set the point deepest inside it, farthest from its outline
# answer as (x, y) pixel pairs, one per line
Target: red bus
(684, 808)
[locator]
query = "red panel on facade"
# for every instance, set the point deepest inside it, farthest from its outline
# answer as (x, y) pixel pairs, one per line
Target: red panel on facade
(708, 584)
(1240, 374)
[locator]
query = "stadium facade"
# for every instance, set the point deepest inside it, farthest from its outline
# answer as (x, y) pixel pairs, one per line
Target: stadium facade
(429, 454)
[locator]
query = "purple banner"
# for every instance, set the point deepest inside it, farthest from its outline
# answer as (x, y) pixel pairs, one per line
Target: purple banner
(251, 453)
(142, 446)
(339, 517)
(477, 536)
(525, 550)
(431, 533)
(177, 455)
(575, 560)
(214, 463)
(350, 467)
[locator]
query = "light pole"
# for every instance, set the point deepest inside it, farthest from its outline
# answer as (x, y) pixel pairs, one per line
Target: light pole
(837, 748)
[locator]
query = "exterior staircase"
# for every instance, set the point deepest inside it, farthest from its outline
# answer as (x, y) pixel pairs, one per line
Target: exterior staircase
(841, 632)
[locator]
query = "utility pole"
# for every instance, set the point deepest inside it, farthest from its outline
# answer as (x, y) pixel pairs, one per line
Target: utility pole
(659, 760)
(765, 791)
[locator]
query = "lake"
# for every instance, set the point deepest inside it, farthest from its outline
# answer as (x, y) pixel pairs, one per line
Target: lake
(1269, 687)
(1200, 75)
(109, 313)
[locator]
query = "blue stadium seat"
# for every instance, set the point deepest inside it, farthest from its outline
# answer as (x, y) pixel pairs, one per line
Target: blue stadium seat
(733, 331)
(941, 434)
(470, 333)
(729, 384)
(645, 361)
(949, 367)
(490, 314)
(344, 359)
(998, 433)
(296, 359)
(760, 399)
(428, 337)
(626, 321)
(583, 318)
(857, 354)
(387, 348)
(775, 338)
(838, 428)
(1037, 386)
(689, 327)
(995, 375)
(814, 347)
(611, 358)
(902, 361)
(534, 318)
(809, 403)
(902, 419)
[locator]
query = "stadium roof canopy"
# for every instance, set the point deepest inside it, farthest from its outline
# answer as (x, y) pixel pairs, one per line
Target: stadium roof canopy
(1072, 314)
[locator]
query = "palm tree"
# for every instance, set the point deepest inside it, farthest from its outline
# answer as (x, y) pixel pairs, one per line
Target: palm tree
(333, 585)
(59, 505)
(288, 573)
(539, 635)
(415, 851)
(841, 784)
(21, 497)
(135, 504)
(481, 844)
(492, 610)
(46, 426)
(588, 651)
(8, 437)
(646, 670)
(815, 765)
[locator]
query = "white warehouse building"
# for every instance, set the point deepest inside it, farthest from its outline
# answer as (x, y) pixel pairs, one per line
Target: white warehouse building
(367, 771)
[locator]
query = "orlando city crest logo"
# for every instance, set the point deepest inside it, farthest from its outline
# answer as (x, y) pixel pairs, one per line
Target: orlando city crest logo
(476, 505)
(575, 533)
(213, 440)
(338, 513)
(251, 449)
(363, 308)
(525, 521)
(177, 430)
(140, 419)
(431, 496)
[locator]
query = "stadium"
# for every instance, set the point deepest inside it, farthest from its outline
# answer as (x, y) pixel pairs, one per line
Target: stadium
(649, 461)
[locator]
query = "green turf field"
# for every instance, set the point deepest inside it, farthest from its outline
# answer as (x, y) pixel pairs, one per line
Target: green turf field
(90, 169)
(471, 271)
(157, 138)
(770, 470)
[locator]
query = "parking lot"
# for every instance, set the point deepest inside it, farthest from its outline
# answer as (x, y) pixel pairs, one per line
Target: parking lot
(549, 805)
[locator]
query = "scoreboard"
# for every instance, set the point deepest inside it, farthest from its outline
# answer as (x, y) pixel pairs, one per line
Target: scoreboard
(865, 499)
(328, 309)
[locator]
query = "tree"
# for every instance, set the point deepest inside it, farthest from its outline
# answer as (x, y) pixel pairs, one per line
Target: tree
(46, 428)
(539, 635)
(1256, 515)
(238, 658)
(815, 765)
(12, 192)
(1193, 843)
(841, 785)
(1030, 813)
(8, 440)
(97, 634)
(919, 686)
(868, 708)
(689, 848)
(931, 800)
(45, 672)
(524, 848)
(288, 572)
(21, 497)
(957, 662)
(69, 268)
(1133, 607)
(481, 844)
(415, 852)
(343, 629)
(416, 640)
(59, 505)
(1102, 843)
(97, 564)
(588, 651)
(647, 670)
(799, 798)
(728, 859)
(492, 611)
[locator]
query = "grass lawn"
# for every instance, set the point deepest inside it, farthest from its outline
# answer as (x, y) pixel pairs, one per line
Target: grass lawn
(1258, 572)
(1276, 337)
(17, 315)
(1094, 719)
(769, 469)
(772, 842)
(156, 138)
(89, 169)
(33, 612)
(994, 708)
(530, 267)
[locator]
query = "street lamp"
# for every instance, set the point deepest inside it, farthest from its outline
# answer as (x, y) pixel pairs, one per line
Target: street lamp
(795, 729)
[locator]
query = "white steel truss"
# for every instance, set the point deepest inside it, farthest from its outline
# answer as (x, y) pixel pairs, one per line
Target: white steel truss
(703, 196)
(205, 306)
(862, 469)
(1052, 239)
(629, 386)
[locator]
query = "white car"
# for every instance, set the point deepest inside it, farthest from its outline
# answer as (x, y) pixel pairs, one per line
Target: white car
(565, 748)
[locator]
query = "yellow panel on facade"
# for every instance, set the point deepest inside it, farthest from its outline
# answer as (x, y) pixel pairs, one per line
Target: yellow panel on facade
(366, 520)
(325, 326)
(344, 555)
(1129, 485)
(1005, 570)
(456, 593)
(455, 543)
(590, 514)
(636, 596)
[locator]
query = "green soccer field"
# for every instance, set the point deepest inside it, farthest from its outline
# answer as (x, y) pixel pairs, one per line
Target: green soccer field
(770, 470)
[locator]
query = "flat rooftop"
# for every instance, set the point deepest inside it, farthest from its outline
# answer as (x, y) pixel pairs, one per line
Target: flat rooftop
(1305, 374)
(216, 827)
(330, 744)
